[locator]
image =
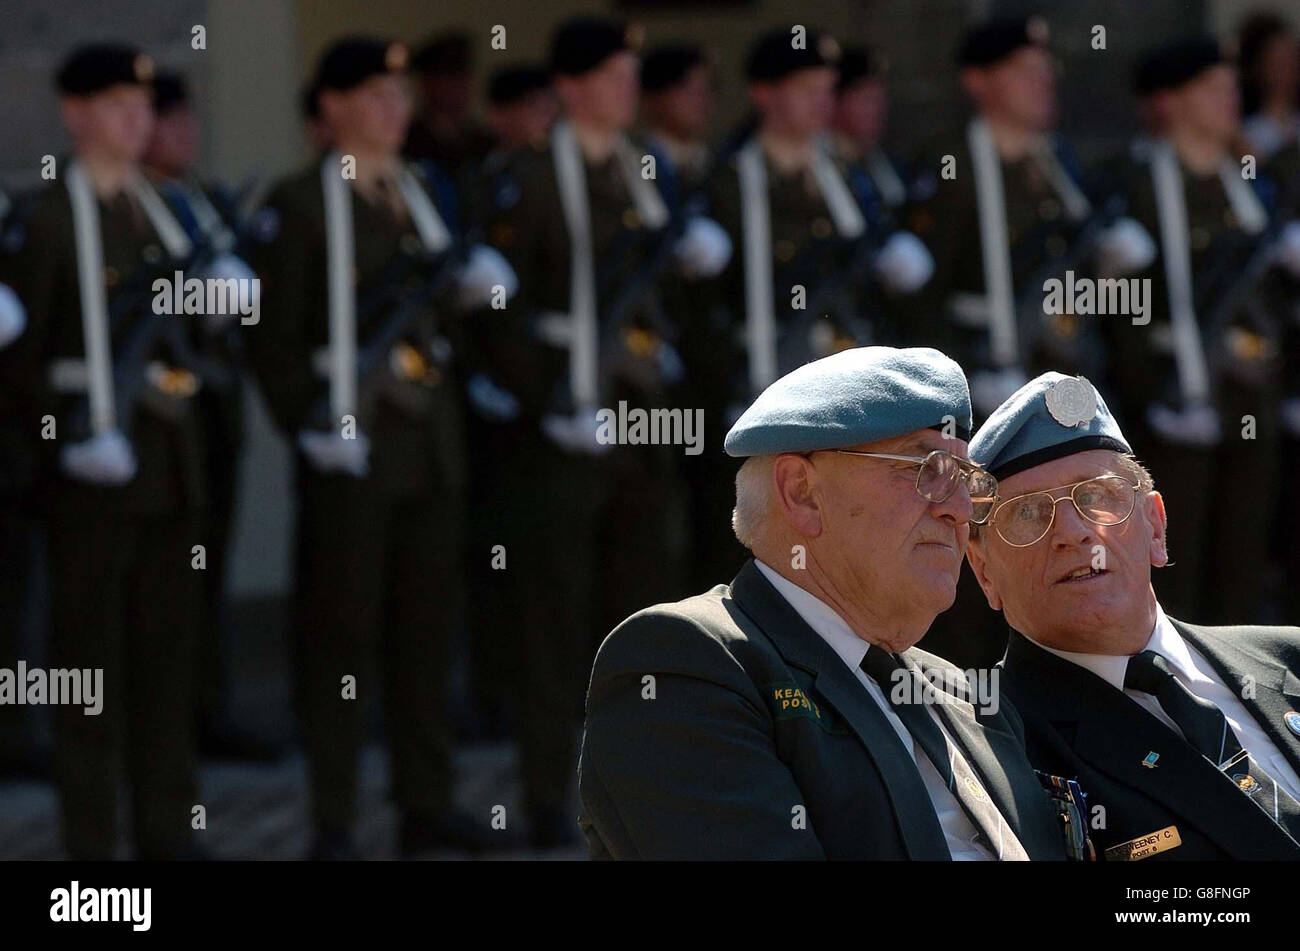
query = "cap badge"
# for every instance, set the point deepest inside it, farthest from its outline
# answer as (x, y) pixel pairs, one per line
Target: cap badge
(396, 57)
(142, 67)
(1071, 401)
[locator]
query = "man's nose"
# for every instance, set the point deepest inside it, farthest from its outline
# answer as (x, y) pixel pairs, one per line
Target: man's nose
(1069, 528)
(957, 508)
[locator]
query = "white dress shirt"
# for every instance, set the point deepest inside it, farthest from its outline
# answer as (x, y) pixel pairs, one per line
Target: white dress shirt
(1195, 673)
(958, 830)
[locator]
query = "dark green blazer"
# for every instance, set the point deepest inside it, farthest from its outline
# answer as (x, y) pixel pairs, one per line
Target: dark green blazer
(1079, 726)
(711, 721)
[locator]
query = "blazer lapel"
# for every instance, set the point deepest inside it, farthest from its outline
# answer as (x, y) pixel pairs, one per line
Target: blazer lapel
(1115, 735)
(801, 646)
(1276, 690)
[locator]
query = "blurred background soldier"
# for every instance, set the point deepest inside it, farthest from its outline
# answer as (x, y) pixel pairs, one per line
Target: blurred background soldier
(594, 530)
(1210, 356)
(861, 110)
(1009, 183)
(1006, 185)
(18, 545)
(1270, 83)
(444, 131)
(209, 215)
(521, 109)
(357, 369)
(677, 98)
(123, 484)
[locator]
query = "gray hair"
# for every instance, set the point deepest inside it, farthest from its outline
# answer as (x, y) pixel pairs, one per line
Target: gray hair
(753, 499)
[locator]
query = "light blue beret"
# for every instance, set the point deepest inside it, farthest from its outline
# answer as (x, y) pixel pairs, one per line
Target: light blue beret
(852, 397)
(1051, 416)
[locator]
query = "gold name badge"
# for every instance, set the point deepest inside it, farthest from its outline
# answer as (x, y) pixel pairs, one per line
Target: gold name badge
(1145, 846)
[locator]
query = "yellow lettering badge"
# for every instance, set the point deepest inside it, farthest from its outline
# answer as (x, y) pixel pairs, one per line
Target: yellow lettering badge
(789, 701)
(1145, 846)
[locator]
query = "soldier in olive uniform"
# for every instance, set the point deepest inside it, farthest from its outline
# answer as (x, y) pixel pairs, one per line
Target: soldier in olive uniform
(1002, 210)
(1200, 384)
(802, 245)
(122, 464)
(354, 358)
(590, 531)
(169, 162)
(1009, 187)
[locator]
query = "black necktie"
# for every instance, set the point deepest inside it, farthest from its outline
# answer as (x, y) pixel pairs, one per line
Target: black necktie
(888, 671)
(1208, 731)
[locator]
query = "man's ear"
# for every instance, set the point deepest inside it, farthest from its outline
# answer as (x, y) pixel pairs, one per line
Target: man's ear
(979, 566)
(1158, 523)
(792, 482)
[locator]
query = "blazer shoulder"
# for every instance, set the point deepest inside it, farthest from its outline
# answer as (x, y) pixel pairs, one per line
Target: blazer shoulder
(1278, 643)
(690, 637)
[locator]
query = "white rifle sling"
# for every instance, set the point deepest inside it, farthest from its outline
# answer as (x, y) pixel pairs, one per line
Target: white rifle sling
(760, 306)
(424, 215)
(584, 339)
(96, 375)
(885, 178)
(1077, 206)
(1171, 208)
(1246, 206)
(843, 207)
(339, 263)
(650, 207)
(995, 248)
(94, 307)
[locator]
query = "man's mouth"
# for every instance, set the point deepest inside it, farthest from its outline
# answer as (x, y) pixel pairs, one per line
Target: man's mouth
(1082, 574)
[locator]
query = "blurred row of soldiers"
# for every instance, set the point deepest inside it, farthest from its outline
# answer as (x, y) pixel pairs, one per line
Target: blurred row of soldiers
(445, 307)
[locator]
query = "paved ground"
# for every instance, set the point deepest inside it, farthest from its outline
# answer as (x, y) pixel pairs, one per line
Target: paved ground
(260, 812)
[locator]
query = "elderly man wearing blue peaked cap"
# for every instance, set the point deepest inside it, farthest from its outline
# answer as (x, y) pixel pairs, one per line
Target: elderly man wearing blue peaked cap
(787, 715)
(1186, 736)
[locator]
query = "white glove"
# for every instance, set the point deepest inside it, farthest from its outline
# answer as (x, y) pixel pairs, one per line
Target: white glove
(1196, 426)
(704, 248)
(485, 269)
(104, 459)
(989, 389)
(576, 433)
(330, 452)
(491, 401)
(13, 316)
(904, 263)
(1291, 415)
(1287, 249)
(1125, 248)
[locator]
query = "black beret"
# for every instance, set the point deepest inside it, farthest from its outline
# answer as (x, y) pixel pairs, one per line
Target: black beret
(447, 54)
(857, 63)
(91, 69)
(351, 61)
(169, 92)
(666, 66)
(994, 40)
(775, 55)
(512, 83)
(583, 43)
(1171, 65)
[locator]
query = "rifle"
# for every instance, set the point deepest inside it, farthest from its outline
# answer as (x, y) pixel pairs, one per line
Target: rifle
(1031, 321)
(403, 291)
(1219, 312)
(132, 321)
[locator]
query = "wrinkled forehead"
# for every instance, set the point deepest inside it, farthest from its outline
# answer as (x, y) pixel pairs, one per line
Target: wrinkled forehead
(1063, 471)
(916, 443)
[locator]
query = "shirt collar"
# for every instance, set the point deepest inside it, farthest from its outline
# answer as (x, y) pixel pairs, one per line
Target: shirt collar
(1164, 640)
(820, 616)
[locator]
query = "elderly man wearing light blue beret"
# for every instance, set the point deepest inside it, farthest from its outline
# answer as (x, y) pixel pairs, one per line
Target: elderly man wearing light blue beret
(788, 715)
(1185, 738)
